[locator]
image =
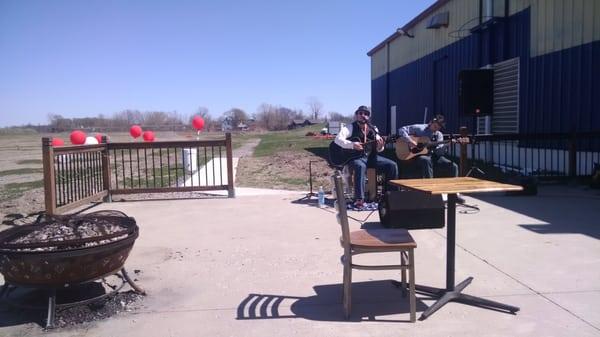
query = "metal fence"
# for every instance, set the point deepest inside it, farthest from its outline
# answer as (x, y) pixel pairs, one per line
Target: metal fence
(547, 155)
(74, 175)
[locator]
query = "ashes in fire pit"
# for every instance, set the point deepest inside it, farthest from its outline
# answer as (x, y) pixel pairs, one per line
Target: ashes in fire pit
(60, 230)
(51, 233)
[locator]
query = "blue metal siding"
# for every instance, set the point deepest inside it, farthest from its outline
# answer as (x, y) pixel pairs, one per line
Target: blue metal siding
(562, 92)
(412, 86)
(559, 91)
(379, 102)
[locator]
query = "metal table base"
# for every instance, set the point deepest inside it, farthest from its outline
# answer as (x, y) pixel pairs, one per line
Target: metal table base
(453, 292)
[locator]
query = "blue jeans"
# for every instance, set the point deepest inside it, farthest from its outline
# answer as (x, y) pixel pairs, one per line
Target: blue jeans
(383, 165)
(427, 162)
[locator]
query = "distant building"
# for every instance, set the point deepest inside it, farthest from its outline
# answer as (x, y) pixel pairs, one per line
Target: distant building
(242, 126)
(298, 123)
(333, 127)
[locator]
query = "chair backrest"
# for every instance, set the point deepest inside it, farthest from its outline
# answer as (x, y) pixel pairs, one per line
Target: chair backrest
(342, 211)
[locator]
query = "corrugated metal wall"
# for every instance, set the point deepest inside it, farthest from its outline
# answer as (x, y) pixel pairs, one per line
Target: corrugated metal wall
(557, 43)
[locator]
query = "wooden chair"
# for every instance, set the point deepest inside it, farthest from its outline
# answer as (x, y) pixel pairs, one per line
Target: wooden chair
(374, 241)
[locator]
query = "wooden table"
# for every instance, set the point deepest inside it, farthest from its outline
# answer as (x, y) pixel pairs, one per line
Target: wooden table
(452, 186)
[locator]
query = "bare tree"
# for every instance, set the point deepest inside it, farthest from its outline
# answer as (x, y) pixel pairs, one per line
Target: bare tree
(273, 117)
(237, 116)
(315, 106)
(336, 116)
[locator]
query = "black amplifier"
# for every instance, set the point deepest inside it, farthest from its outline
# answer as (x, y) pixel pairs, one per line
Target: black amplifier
(411, 210)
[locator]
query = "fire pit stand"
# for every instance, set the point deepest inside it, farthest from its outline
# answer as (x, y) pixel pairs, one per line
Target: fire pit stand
(52, 306)
(58, 252)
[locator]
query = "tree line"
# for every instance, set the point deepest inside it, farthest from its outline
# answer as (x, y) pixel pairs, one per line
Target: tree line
(267, 117)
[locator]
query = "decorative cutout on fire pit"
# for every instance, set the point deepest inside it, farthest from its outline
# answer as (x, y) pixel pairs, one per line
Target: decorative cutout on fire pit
(64, 249)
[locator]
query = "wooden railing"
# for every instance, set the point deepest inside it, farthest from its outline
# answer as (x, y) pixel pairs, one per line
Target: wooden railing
(75, 175)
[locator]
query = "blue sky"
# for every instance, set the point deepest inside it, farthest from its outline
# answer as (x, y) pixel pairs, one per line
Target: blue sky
(84, 58)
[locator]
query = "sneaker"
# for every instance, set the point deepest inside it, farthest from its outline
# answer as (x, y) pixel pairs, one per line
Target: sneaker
(359, 204)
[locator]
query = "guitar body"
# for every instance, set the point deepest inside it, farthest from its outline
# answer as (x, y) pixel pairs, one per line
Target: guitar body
(339, 156)
(404, 152)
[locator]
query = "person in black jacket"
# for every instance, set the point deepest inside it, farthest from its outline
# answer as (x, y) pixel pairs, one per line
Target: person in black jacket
(359, 136)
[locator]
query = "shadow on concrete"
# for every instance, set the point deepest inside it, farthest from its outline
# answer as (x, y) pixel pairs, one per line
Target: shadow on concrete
(22, 305)
(371, 301)
(133, 197)
(13, 316)
(312, 200)
(322, 152)
(562, 209)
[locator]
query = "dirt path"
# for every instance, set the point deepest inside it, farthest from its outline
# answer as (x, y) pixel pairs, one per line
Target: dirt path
(247, 149)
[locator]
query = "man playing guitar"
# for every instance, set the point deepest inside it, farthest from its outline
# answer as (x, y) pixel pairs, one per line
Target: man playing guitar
(436, 155)
(354, 136)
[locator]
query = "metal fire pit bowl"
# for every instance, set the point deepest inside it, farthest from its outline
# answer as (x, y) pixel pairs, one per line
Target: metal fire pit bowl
(48, 254)
(57, 263)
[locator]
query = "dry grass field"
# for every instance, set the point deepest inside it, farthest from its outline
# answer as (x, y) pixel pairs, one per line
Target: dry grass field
(280, 161)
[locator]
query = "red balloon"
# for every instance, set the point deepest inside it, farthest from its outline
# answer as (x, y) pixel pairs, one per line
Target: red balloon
(148, 136)
(77, 137)
(57, 142)
(99, 137)
(198, 122)
(135, 131)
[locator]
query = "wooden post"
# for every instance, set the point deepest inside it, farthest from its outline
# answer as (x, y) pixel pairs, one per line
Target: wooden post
(463, 151)
(49, 177)
(106, 169)
(229, 150)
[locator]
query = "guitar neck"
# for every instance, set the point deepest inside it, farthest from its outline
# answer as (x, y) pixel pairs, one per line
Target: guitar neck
(436, 143)
(386, 139)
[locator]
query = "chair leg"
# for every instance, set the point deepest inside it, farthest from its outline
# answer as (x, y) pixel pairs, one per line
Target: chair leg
(413, 297)
(403, 272)
(371, 184)
(347, 296)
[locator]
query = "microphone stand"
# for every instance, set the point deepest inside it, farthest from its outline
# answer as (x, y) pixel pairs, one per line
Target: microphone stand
(474, 166)
(372, 160)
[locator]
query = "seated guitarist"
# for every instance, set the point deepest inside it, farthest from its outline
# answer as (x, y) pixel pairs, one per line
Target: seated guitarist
(436, 156)
(353, 136)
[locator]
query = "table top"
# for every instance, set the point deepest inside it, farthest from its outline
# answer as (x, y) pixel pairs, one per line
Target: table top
(454, 185)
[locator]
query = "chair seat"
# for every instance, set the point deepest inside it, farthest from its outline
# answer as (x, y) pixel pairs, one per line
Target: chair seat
(381, 239)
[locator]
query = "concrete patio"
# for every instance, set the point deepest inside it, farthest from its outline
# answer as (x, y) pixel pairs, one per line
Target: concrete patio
(269, 266)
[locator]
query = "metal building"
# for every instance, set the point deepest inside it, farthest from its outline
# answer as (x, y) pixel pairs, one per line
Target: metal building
(545, 55)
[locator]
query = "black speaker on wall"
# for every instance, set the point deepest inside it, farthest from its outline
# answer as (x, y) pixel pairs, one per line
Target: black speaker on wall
(411, 210)
(476, 91)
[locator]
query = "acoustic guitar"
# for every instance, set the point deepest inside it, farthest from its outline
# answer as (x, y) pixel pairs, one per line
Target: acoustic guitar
(424, 145)
(339, 156)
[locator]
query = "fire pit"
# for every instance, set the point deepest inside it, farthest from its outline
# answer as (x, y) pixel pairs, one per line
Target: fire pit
(61, 251)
